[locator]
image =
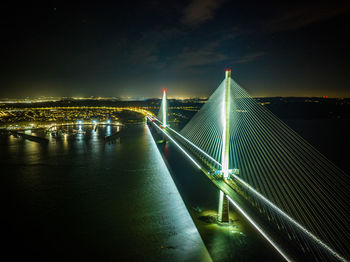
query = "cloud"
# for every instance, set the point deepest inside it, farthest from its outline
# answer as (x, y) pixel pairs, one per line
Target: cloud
(143, 54)
(196, 57)
(147, 51)
(249, 57)
(299, 17)
(200, 11)
(150, 50)
(144, 50)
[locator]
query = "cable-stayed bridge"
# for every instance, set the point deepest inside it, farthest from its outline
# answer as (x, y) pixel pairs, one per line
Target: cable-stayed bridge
(292, 194)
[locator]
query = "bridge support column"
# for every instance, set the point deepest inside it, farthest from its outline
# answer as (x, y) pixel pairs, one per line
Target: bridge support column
(223, 211)
(165, 108)
(223, 214)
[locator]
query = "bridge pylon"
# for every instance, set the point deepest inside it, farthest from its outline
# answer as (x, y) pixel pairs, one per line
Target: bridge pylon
(223, 210)
(164, 108)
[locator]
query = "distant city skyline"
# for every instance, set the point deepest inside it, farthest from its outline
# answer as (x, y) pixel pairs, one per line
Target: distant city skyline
(274, 48)
(129, 98)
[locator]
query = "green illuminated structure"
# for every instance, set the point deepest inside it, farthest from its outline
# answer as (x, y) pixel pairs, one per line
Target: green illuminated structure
(223, 211)
(165, 108)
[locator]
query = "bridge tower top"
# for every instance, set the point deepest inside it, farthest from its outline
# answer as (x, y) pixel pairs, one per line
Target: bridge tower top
(227, 73)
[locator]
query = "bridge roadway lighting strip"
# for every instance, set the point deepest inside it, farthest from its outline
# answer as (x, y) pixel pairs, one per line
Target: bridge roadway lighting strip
(273, 206)
(250, 188)
(183, 150)
(258, 228)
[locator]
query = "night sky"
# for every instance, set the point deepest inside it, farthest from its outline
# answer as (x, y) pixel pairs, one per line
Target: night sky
(132, 48)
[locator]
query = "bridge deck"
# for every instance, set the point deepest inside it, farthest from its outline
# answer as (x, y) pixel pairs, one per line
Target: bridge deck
(297, 247)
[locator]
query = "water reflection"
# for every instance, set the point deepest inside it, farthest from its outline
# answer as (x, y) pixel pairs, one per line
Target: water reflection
(94, 133)
(65, 141)
(101, 199)
(12, 144)
(109, 130)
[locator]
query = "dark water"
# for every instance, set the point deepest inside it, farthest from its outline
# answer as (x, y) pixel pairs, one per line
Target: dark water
(78, 199)
(329, 136)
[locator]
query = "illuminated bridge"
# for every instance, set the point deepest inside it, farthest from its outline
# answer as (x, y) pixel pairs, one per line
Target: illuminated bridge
(292, 194)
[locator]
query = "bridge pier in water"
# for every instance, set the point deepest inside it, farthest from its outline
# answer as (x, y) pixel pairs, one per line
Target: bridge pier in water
(223, 211)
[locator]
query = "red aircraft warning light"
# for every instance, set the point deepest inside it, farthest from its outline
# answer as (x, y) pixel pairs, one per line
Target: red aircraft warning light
(228, 73)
